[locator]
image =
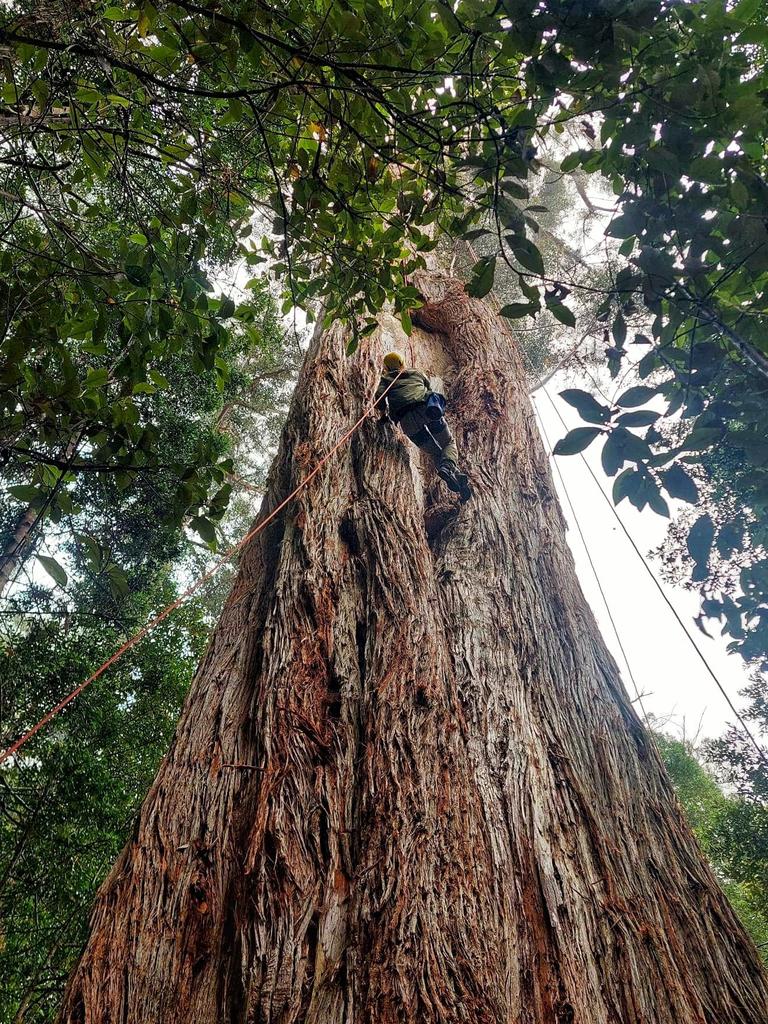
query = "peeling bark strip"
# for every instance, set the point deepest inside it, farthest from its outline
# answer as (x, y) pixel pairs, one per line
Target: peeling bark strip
(454, 814)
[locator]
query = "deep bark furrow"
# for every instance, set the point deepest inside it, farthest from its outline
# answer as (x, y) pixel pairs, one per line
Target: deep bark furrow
(451, 812)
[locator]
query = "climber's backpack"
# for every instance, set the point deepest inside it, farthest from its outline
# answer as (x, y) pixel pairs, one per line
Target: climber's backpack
(435, 405)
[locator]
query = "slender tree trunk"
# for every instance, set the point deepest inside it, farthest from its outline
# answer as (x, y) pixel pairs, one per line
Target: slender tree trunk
(408, 785)
(20, 543)
(14, 551)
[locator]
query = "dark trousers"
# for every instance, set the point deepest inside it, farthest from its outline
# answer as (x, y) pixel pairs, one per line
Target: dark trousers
(432, 436)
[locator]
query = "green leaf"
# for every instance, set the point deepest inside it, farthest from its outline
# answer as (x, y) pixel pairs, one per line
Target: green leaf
(118, 581)
(528, 256)
(643, 418)
(226, 308)
(137, 274)
(205, 528)
(613, 455)
(625, 484)
(619, 329)
(25, 492)
(92, 550)
(627, 245)
(517, 310)
(658, 265)
(515, 189)
(137, 238)
(63, 500)
(88, 95)
(625, 225)
(678, 484)
(97, 379)
(730, 538)
(657, 502)
(572, 161)
(646, 492)
(664, 160)
(530, 291)
(576, 440)
(158, 379)
(218, 503)
(406, 322)
(754, 34)
(633, 447)
(483, 274)
(745, 9)
(587, 405)
(635, 396)
(702, 438)
(563, 314)
(41, 92)
(54, 570)
(699, 544)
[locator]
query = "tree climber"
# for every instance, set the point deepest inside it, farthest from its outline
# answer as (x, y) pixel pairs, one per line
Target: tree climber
(419, 410)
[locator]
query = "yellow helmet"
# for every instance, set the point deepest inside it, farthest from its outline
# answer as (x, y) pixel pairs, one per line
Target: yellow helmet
(393, 361)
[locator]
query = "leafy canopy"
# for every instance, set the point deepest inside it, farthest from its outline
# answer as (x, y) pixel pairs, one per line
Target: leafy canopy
(365, 129)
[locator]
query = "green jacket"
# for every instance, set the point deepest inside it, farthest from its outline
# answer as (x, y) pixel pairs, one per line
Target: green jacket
(410, 389)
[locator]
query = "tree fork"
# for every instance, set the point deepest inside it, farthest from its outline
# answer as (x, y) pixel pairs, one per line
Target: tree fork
(457, 815)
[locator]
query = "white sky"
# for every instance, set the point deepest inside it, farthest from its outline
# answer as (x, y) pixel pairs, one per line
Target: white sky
(669, 674)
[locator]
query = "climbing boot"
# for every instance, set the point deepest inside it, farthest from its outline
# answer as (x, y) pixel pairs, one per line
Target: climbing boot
(456, 481)
(447, 471)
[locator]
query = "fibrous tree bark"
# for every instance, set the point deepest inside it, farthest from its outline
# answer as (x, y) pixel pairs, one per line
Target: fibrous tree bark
(408, 784)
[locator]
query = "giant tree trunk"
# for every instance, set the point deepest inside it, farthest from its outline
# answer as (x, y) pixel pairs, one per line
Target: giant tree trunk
(408, 785)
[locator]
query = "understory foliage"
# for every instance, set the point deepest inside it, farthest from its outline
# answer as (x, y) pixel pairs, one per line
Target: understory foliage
(732, 828)
(66, 811)
(179, 472)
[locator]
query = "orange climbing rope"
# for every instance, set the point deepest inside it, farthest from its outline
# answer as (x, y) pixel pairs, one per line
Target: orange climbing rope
(149, 626)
